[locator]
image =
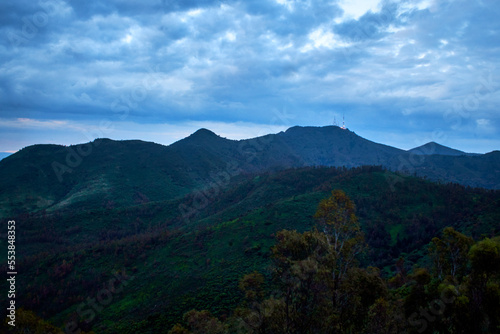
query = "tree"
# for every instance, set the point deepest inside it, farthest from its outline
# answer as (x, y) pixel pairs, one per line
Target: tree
(178, 329)
(300, 259)
(267, 316)
(198, 322)
(337, 219)
(358, 292)
(384, 318)
(314, 269)
(485, 256)
(484, 294)
(252, 286)
(202, 322)
(29, 322)
(450, 253)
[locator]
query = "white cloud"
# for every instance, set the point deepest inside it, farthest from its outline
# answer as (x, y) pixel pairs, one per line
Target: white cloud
(127, 39)
(483, 122)
(354, 9)
(230, 36)
(286, 3)
(320, 38)
(418, 5)
(234, 62)
(195, 12)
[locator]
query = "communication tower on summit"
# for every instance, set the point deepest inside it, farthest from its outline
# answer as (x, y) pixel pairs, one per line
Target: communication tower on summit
(343, 123)
(343, 127)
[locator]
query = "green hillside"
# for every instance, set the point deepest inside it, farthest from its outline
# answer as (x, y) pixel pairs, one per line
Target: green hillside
(93, 175)
(173, 262)
(106, 173)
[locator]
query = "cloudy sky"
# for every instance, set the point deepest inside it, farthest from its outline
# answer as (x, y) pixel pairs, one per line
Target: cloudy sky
(402, 72)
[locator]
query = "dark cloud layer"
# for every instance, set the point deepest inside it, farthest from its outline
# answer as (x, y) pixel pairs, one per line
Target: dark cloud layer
(401, 74)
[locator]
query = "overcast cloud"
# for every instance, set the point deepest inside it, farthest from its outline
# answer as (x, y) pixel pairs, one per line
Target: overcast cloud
(402, 72)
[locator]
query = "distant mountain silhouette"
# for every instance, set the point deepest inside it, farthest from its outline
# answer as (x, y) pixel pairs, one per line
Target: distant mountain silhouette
(435, 148)
(334, 146)
(107, 172)
(189, 220)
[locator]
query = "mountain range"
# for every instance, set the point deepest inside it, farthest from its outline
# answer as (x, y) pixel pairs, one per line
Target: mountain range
(190, 219)
(49, 177)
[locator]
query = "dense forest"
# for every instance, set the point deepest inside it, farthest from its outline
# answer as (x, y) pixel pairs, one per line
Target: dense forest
(276, 252)
(319, 287)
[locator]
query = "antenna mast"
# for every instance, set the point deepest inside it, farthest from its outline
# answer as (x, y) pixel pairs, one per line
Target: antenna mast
(343, 123)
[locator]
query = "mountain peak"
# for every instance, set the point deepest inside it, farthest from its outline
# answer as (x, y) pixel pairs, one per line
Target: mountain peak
(201, 137)
(315, 129)
(204, 133)
(434, 148)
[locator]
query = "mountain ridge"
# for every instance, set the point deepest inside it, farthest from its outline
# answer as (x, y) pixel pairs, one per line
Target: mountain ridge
(432, 148)
(39, 177)
(192, 218)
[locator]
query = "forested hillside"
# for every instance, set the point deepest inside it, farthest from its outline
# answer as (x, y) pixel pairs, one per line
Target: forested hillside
(127, 173)
(192, 252)
(317, 285)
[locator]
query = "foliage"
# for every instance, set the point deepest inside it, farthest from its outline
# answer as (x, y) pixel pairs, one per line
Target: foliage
(28, 322)
(342, 230)
(461, 295)
(450, 253)
(68, 255)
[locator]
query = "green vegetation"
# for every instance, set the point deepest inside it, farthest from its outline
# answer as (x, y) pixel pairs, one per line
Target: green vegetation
(115, 174)
(70, 255)
(319, 287)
